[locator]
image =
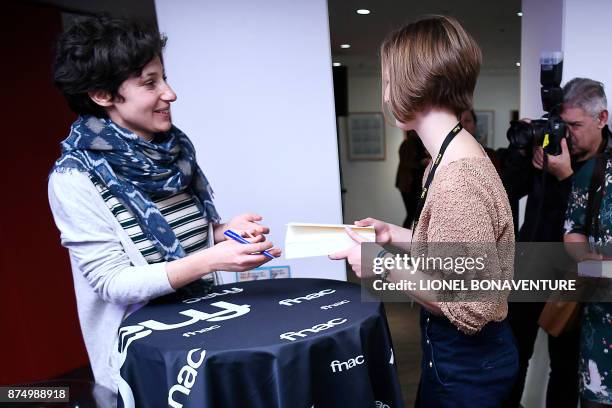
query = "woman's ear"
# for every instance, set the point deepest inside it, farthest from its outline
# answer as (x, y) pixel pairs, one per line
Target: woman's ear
(102, 98)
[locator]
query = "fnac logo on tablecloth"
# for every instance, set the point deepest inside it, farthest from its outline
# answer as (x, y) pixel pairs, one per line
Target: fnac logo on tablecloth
(342, 302)
(297, 300)
(228, 311)
(291, 336)
(186, 377)
(338, 366)
(377, 404)
(230, 291)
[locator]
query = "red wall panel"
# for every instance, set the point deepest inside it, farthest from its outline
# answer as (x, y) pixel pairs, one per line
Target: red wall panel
(40, 335)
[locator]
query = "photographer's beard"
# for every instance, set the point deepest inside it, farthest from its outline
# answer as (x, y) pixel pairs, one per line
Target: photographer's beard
(585, 145)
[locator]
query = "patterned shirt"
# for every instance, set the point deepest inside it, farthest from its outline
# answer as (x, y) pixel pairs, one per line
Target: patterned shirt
(179, 210)
(595, 364)
(575, 219)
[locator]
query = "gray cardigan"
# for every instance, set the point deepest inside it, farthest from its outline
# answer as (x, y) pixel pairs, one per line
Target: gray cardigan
(111, 277)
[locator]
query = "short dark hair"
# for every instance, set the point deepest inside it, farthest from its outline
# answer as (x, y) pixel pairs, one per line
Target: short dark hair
(431, 62)
(99, 53)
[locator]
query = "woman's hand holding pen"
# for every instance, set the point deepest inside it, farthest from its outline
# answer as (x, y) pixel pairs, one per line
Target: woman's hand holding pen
(227, 255)
(230, 255)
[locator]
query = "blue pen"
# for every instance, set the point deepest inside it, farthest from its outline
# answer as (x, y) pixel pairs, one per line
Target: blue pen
(236, 237)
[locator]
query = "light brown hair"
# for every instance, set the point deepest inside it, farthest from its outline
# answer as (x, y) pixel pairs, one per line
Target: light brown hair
(433, 62)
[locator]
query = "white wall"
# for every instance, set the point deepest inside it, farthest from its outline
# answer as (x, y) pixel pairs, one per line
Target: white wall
(498, 92)
(370, 185)
(541, 30)
(586, 34)
(255, 95)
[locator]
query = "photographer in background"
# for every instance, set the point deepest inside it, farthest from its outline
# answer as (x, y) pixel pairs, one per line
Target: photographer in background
(546, 180)
(413, 159)
(588, 235)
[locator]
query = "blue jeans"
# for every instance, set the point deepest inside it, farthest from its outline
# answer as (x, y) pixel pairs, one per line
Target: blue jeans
(460, 370)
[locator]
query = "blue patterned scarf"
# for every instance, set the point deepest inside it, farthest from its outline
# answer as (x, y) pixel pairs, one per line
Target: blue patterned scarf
(137, 171)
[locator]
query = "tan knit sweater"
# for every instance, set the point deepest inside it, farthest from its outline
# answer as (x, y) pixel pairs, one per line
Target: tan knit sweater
(467, 203)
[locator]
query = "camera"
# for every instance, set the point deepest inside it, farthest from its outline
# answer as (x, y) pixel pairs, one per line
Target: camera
(550, 129)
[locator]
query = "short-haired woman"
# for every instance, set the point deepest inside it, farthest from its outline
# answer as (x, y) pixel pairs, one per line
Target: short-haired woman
(133, 207)
(429, 74)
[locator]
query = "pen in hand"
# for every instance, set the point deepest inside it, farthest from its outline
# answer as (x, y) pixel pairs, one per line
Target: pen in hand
(236, 237)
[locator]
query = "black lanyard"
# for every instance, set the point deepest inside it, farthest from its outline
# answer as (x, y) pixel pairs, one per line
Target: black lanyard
(432, 172)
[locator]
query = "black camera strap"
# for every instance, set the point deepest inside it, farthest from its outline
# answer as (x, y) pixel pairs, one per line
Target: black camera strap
(432, 172)
(544, 176)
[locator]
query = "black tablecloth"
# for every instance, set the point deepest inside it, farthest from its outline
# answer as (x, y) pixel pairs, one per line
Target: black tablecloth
(275, 343)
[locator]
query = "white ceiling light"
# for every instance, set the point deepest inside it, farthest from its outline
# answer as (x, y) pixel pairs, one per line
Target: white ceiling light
(345, 45)
(518, 64)
(363, 11)
(520, 14)
(336, 64)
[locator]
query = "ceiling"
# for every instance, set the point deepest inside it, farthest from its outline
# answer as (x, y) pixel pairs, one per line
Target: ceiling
(494, 24)
(143, 10)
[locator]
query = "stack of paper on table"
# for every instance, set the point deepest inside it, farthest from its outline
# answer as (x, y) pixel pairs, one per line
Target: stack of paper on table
(595, 269)
(303, 240)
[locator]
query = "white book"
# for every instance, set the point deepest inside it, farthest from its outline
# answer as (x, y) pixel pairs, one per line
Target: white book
(305, 239)
(595, 269)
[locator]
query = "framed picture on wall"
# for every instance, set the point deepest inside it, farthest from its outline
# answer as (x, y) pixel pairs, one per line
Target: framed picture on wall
(366, 136)
(485, 123)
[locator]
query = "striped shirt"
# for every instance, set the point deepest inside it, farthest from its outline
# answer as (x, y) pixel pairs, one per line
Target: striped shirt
(179, 210)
